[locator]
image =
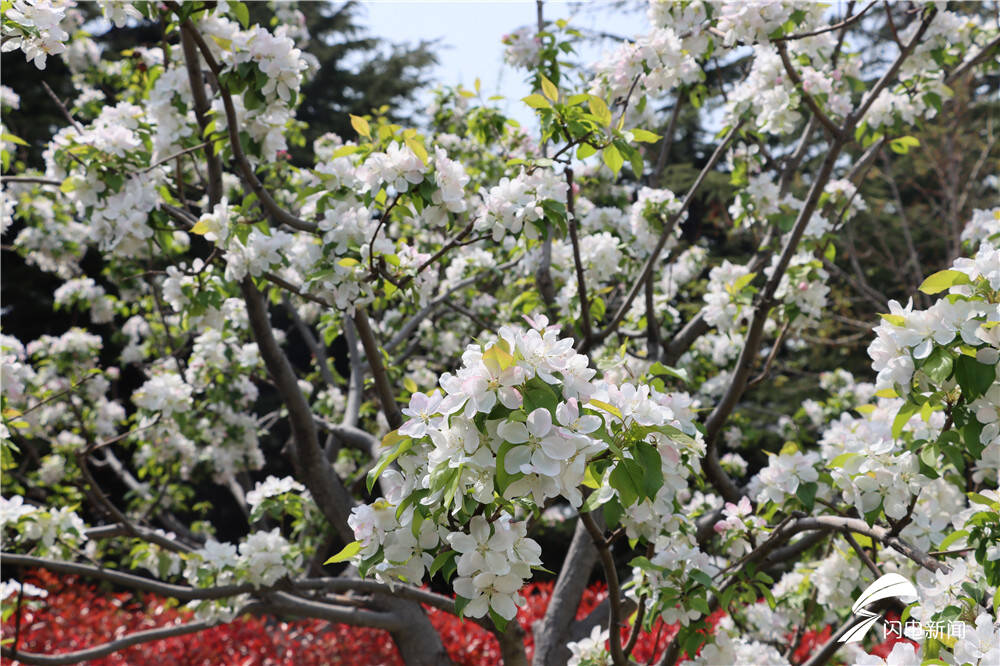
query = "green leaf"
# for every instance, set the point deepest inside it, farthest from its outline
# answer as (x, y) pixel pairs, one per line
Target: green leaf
(503, 477)
(361, 126)
(452, 491)
(974, 377)
(942, 280)
(741, 282)
(498, 622)
(660, 369)
(441, 560)
(635, 162)
(644, 136)
(609, 408)
(652, 471)
(613, 513)
(983, 499)
(346, 553)
(806, 493)
(903, 144)
(549, 89)
(767, 595)
(841, 460)
(585, 150)
(241, 13)
(895, 320)
(938, 365)
(460, 604)
(933, 99)
(346, 150)
(699, 604)
(539, 394)
(903, 417)
(952, 538)
(592, 503)
(402, 444)
(536, 101)
(600, 110)
(613, 159)
(497, 359)
(418, 149)
(7, 136)
(627, 479)
(702, 578)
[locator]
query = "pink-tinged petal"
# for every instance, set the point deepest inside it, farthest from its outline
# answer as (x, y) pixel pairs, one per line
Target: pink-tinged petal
(413, 428)
(453, 403)
(568, 412)
(510, 397)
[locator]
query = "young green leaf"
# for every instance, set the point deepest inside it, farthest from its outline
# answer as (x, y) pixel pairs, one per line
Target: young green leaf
(361, 126)
(346, 553)
(942, 280)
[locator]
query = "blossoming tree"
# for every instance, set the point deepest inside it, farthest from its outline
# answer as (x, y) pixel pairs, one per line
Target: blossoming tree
(525, 332)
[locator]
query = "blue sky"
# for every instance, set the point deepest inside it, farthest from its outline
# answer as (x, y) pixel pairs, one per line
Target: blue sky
(469, 35)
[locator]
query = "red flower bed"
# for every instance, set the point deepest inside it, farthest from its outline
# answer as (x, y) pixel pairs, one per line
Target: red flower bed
(76, 616)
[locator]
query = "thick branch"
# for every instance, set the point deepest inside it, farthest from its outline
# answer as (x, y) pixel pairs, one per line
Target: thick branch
(330, 495)
(615, 615)
(551, 632)
(744, 366)
(131, 581)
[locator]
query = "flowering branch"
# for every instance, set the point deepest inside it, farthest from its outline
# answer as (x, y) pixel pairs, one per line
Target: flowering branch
(817, 112)
(668, 227)
(246, 171)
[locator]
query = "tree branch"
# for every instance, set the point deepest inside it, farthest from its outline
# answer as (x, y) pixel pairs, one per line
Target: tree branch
(387, 397)
(551, 631)
(615, 616)
(330, 495)
(668, 228)
(278, 213)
